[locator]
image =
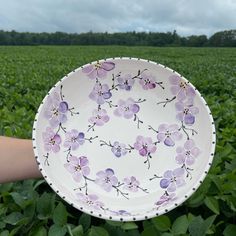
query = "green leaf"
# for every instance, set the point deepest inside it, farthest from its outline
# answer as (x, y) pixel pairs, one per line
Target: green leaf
(150, 231)
(4, 233)
(98, 231)
(230, 230)
(45, 205)
(60, 214)
(14, 218)
(212, 204)
(129, 226)
(78, 231)
(199, 227)
(85, 221)
(57, 230)
(40, 231)
(161, 223)
(114, 223)
(180, 225)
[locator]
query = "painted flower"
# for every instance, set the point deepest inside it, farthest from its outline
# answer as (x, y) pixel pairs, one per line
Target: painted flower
(144, 145)
(100, 93)
(188, 153)
(90, 200)
(78, 167)
(180, 88)
(127, 108)
(99, 117)
(98, 70)
(51, 140)
(56, 110)
(165, 199)
(173, 179)
(147, 81)
(74, 139)
(120, 213)
(186, 112)
(125, 82)
(131, 184)
(106, 179)
(119, 149)
(168, 134)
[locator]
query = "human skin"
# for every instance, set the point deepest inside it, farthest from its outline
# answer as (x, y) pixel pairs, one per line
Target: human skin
(17, 160)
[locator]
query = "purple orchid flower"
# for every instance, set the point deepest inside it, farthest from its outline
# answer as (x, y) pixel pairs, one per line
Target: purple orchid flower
(173, 179)
(180, 88)
(186, 112)
(106, 179)
(100, 93)
(144, 145)
(98, 70)
(165, 199)
(147, 81)
(126, 82)
(127, 108)
(90, 200)
(99, 117)
(119, 149)
(168, 134)
(51, 140)
(187, 154)
(78, 167)
(131, 184)
(74, 139)
(56, 110)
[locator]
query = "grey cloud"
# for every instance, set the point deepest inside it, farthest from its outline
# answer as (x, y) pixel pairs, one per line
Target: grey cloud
(186, 16)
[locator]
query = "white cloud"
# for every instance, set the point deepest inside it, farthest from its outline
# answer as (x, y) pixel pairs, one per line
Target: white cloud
(186, 16)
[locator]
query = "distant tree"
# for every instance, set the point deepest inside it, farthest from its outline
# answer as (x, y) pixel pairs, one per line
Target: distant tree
(223, 39)
(196, 41)
(219, 39)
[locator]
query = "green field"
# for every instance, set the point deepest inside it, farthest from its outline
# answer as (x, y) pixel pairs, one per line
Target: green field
(32, 208)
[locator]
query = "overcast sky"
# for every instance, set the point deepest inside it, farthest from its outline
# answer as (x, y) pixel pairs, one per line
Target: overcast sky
(76, 16)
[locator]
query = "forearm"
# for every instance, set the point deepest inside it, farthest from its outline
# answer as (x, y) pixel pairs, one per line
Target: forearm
(17, 160)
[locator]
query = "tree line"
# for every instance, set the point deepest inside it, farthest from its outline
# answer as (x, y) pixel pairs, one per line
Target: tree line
(220, 39)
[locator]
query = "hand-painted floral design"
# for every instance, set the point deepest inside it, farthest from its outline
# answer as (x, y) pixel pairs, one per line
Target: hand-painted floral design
(119, 149)
(78, 167)
(187, 154)
(125, 82)
(100, 93)
(131, 184)
(90, 200)
(172, 179)
(98, 70)
(73, 139)
(165, 199)
(51, 140)
(168, 134)
(56, 110)
(104, 94)
(180, 88)
(147, 81)
(120, 213)
(99, 118)
(106, 179)
(127, 108)
(186, 112)
(144, 145)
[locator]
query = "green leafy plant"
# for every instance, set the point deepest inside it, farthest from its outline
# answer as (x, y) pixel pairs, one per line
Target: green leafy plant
(32, 208)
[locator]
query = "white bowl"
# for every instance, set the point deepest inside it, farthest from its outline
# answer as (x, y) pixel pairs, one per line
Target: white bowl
(124, 139)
